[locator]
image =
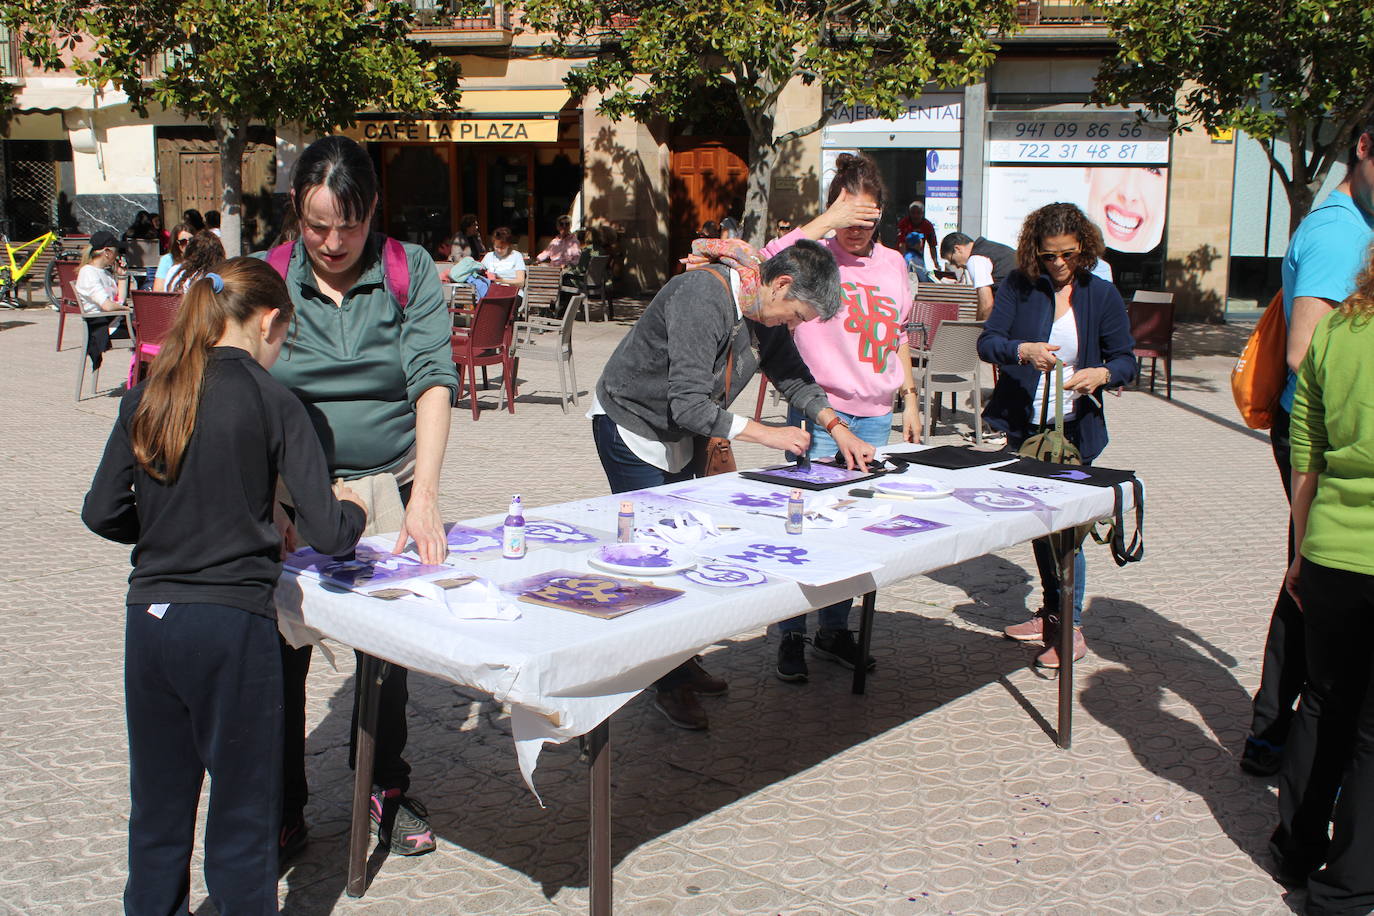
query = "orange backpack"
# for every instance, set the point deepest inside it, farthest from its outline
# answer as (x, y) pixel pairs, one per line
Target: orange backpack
(1262, 369)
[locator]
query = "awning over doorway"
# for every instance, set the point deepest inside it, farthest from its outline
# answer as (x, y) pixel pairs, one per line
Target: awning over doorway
(483, 116)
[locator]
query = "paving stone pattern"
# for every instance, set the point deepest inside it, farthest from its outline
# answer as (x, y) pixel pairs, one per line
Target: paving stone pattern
(940, 791)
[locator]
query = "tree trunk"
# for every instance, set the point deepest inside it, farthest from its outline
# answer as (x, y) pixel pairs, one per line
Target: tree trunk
(763, 158)
(233, 140)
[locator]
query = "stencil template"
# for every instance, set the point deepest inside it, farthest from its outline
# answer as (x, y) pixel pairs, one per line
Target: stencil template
(593, 594)
(899, 526)
(724, 575)
(793, 558)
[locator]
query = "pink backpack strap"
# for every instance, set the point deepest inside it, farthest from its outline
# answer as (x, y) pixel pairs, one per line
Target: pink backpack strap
(280, 258)
(396, 271)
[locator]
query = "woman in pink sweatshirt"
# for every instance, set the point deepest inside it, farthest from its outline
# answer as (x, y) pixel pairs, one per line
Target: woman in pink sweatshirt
(860, 358)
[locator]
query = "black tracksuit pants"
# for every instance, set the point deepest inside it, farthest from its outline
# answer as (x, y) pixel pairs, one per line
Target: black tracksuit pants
(203, 693)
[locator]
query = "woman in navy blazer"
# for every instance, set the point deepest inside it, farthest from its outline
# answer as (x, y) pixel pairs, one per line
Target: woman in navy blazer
(1053, 308)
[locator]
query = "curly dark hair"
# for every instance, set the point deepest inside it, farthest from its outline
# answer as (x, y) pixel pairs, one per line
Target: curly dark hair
(204, 253)
(1360, 304)
(1058, 219)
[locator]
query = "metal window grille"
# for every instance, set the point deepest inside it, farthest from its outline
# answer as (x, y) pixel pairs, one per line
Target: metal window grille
(30, 195)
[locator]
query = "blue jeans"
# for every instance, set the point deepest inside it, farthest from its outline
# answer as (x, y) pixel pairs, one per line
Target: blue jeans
(874, 431)
(626, 471)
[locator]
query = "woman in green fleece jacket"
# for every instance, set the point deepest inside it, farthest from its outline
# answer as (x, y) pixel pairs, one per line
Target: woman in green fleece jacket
(1328, 771)
(378, 381)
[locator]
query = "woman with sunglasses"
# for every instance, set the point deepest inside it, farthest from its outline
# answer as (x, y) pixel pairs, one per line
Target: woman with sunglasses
(182, 234)
(1052, 311)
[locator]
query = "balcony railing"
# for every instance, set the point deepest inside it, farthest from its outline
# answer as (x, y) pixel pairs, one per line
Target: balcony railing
(437, 15)
(1036, 12)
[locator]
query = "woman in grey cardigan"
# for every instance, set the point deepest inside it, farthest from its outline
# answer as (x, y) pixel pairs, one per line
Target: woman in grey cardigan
(664, 390)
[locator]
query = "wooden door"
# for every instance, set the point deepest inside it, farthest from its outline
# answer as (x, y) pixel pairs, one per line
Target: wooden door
(708, 180)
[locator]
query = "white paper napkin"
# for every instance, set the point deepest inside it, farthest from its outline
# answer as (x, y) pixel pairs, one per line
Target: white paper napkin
(479, 600)
(823, 511)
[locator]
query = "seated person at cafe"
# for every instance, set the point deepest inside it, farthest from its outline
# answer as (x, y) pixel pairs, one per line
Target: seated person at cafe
(564, 250)
(503, 263)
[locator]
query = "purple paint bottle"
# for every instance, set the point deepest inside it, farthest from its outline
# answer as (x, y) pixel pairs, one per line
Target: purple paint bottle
(796, 506)
(513, 531)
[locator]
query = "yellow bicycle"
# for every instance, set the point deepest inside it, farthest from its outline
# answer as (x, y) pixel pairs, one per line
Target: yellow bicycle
(18, 260)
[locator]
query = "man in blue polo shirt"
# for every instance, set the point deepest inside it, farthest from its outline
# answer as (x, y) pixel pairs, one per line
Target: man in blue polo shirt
(1326, 253)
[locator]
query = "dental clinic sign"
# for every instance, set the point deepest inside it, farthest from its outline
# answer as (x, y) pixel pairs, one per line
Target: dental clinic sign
(930, 114)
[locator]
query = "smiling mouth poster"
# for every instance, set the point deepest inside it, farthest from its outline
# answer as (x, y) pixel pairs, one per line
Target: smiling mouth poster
(1108, 163)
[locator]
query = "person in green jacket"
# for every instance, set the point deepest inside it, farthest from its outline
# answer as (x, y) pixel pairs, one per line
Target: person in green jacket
(1328, 769)
(378, 382)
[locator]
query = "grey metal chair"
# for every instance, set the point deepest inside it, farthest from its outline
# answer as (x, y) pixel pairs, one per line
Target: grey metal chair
(951, 364)
(534, 339)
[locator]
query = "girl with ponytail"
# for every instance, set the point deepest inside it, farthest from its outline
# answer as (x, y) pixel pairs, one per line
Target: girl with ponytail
(188, 477)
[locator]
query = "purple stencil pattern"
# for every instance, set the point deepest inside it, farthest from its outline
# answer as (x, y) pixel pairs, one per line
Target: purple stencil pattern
(1001, 499)
(589, 593)
(557, 532)
(772, 500)
(796, 556)
(463, 539)
(369, 567)
(724, 575)
(816, 473)
(902, 525)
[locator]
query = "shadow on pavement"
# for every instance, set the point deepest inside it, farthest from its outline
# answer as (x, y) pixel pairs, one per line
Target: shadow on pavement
(1158, 657)
(763, 732)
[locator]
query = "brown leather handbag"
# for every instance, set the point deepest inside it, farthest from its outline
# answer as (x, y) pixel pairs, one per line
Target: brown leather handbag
(715, 454)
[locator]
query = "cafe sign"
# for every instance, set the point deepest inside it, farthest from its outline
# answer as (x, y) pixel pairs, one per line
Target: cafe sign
(468, 130)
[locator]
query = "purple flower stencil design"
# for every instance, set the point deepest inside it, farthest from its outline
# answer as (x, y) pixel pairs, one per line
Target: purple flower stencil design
(902, 525)
(463, 539)
(724, 575)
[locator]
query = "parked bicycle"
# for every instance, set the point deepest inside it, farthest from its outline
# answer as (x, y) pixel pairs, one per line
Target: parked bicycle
(20, 260)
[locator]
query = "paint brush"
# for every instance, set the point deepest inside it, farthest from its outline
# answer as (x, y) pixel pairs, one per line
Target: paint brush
(874, 494)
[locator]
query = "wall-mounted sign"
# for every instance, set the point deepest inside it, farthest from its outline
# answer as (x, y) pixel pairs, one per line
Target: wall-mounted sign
(472, 130)
(942, 190)
(1076, 138)
(930, 114)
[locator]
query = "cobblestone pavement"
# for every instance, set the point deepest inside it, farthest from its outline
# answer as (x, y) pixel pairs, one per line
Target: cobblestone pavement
(940, 791)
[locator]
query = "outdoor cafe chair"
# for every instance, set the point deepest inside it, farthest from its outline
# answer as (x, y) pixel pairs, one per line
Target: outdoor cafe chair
(67, 303)
(154, 315)
(487, 343)
(951, 365)
(529, 343)
(595, 283)
(542, 282)
(1152, 325)
(116, 343)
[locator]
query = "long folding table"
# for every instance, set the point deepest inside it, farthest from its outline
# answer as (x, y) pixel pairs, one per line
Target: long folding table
(564, 674)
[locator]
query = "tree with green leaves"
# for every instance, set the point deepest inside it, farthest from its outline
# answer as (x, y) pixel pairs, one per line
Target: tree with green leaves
(231, 63)
(662, 58)
(1301, 71)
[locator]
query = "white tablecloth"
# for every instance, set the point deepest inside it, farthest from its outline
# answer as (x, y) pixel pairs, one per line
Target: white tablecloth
(564, 673)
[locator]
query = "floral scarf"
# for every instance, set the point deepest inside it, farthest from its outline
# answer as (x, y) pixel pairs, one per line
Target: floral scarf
(735, 254)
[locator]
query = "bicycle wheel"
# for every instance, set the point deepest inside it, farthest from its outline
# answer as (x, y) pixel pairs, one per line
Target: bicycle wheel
(9, 290)
(52, 287)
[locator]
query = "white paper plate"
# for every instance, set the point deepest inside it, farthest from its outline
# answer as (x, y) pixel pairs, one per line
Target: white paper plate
(915, 487)
(642, 559)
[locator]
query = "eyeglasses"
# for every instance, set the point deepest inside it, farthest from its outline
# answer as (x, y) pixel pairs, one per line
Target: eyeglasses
(1049, 257)
(183, 241)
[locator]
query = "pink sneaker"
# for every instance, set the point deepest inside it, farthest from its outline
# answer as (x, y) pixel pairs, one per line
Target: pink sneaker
(1050, 657)
(1032, 630)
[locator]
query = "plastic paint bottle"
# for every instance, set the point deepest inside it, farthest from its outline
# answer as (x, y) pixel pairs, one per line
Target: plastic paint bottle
(795, 507)
(513, 531)
(625, 522)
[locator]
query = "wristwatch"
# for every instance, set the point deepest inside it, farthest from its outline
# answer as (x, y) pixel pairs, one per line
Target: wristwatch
(835, 421)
